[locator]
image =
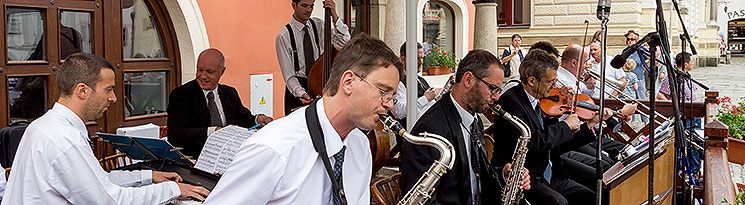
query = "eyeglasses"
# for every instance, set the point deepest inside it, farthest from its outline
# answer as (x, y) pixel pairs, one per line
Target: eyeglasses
(631, 39)
(385, 96)
(493, 89)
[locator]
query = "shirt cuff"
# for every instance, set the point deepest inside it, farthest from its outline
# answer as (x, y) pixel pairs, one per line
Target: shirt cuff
(422, 101)
(146, 176)
(256, 119)
(173, 187)
(210, 130)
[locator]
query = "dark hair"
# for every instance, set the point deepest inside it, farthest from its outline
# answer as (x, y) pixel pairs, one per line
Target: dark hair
(478, 62)
(630, 32)
(295, 1)
(536, 64)
(682, 58)
(516, 36)
(545, 46)
(80, 68)
(402, 50)
(362, 55)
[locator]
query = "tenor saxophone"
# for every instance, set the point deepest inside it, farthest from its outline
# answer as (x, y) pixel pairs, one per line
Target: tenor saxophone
(512, 194)
(422, 190)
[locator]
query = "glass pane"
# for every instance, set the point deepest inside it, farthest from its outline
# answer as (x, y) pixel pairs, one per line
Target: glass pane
(25, 34)
(145, 93)
(27, 97)
(502, 12)
(438, 28)
(140, 35)
(75, 33)
(522, 12)
(357, 7)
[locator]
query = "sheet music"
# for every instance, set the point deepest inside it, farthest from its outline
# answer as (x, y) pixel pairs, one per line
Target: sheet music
(221, 147)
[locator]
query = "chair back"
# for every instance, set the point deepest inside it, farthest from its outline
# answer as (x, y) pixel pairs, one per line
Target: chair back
(7, 173)
(10, 138)
(489, 145)
(115, 161)
(387, 190)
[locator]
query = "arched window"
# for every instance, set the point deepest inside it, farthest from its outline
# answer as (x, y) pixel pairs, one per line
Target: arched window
(134, 35)
(438, 26)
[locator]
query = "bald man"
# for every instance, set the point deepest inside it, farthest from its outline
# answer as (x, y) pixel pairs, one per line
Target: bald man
(202, 106)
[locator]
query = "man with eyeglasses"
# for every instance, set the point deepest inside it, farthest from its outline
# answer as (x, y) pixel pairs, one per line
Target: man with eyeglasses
(472, 180)
(550, 137)
(280, 163)
(641, 67)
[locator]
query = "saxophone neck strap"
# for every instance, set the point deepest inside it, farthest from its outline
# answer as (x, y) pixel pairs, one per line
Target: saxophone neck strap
(316, 135)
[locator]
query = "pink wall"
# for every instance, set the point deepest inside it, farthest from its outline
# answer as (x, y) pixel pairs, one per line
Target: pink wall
(245, 31)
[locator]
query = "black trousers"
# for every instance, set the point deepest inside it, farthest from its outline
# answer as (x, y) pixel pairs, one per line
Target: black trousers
(580, 167)
(561, 191)
(292, 102)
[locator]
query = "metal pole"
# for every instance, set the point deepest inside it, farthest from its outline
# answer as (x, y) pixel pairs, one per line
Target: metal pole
(411, 64)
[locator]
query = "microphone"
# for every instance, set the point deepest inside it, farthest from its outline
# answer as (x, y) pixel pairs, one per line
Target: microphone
(603, 9)
(619, 60)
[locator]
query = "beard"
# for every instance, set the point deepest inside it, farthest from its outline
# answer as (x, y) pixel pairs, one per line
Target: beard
(475, 102)
(94, 110)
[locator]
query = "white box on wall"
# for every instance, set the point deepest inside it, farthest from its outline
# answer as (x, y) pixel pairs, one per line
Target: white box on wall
(262, 94)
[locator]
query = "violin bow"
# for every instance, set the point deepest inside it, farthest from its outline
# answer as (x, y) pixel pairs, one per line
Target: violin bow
(579, 66)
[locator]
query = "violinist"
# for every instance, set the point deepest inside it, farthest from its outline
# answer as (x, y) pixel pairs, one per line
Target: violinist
(299, 44)
(550, 137)
(569, 67)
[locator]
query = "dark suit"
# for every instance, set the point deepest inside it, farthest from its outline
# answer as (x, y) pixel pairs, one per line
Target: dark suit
(547, 142)
(454, 187)
(189, 117)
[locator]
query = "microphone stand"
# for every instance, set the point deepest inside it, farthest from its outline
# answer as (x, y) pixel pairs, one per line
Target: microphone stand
(662, 40)
(603, 13)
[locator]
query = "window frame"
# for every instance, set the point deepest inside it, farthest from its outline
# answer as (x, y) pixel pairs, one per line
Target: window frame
(510, 15)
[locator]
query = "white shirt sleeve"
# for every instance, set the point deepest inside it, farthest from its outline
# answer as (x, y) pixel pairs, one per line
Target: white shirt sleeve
(286, 63)
(341, 34)
(421, 102)
(131, 178)
(246, 183)
(81, 180)
(399, 102)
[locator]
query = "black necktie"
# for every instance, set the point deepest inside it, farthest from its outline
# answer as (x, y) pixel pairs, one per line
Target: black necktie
(214, 113)
(539, 113)
(476, 134)
(338, 165)
(548, 172)
(308, 50)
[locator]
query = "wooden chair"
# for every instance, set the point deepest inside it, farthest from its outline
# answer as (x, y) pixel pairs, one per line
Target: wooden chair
(489, 145)
(7, 173)
(387, 190)
(115, 161)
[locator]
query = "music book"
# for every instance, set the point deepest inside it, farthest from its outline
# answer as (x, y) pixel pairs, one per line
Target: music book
(221, 147)
(147, 149)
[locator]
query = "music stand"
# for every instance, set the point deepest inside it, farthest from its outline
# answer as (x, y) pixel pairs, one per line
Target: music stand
(146, 149)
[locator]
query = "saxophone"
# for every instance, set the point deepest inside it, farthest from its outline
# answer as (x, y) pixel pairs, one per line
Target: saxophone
(512, 194)
(422, 190)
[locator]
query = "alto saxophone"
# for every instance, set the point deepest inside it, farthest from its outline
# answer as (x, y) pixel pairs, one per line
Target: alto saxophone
(422, 190)
(512, 194)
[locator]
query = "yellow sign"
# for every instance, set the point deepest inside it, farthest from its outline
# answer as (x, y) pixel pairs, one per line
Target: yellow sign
(262, 101)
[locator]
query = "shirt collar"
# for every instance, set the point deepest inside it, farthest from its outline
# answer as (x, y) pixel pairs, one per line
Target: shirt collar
(72, 118)
(465, 117)
(213, 90)
(533, 100)
(297, 24)
(330, 136)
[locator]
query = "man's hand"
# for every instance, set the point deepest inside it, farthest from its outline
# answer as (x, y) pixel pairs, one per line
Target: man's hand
(573, 122)
(159, 177)
(430, 94)
(628, 109)
(332, 5)
(525, 179)
(263, 119)
(190, 191)
(590, 83)
(305, 98)
(514, 52)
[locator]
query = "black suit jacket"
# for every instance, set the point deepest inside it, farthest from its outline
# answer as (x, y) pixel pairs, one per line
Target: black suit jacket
(189, 117)
(454, 187)
(554, 138)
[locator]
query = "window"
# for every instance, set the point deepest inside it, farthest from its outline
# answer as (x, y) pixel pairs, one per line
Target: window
(25, 34)
(27, 97)
(75, 33)
(438, 25)
(513, 13)
(357, 16)
(145, 93)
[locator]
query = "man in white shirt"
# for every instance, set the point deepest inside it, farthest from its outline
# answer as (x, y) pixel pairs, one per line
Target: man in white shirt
(425, 93)
(279, 164)
(512, 57)
(294, 58)
(568, 68)
(610, 71)
(55, 162)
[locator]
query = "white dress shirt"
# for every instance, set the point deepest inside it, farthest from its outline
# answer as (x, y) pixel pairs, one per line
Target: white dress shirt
(55, 165)
(399, 102)
(284, 49)
(466, 120)
(2, 182)
(610, 72)
(566, 78)
(212, 129)
(279, 165)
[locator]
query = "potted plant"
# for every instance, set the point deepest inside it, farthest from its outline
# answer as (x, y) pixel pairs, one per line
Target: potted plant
(733, 115)
(440, 61)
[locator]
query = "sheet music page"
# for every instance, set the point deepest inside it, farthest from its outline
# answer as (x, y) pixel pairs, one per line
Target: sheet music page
(221, 147)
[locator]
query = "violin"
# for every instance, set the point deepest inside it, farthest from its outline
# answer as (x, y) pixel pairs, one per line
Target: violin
(559, 102)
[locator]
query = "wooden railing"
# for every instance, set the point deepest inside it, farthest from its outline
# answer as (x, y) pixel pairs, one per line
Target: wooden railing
(718, 184)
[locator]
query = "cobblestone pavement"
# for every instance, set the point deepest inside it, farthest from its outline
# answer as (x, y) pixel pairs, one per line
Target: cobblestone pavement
(729, 80)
